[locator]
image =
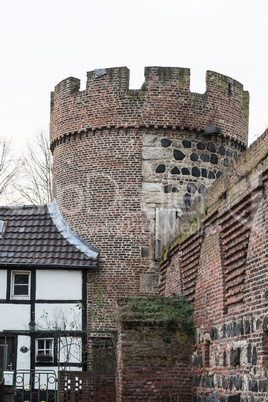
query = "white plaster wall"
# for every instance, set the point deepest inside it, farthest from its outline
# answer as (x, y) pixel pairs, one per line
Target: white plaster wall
(58, 284)
(71, 350)
(3, 283)
(23, 359)
(14, 316)
(58, 316)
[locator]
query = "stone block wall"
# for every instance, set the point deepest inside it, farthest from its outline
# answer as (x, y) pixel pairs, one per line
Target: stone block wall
(219, 260)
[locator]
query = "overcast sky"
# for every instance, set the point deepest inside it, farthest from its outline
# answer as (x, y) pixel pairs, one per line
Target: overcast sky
(43, 42)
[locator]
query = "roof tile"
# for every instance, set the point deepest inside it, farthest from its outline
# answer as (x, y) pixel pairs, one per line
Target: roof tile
(40, 235)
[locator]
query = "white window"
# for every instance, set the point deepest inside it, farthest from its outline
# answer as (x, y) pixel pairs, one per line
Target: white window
(44, 350)
(20, 285)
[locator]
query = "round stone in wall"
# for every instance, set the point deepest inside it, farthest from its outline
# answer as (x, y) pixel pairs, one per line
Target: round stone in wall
(191, 188)
(211, 147)
(175, 170)
(195, 171)
(235, 154)
(178, 155)
(186, 144)
(229, 153)
(165, 142)
(187, 199)
(175, 190)
(160, 168)
(202, 189)
(226, 162)
(218, 173)
(211, 175)
(193, 157)
(185, 171)
(201, 146)
(168, 188)
(222, 150)
(204, 157)
(204, 172)
(214, 159)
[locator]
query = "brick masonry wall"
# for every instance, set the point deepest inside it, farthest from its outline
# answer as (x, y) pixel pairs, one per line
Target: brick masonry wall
(227, 272)
(97, 183)
(120, 156)
(155, 365)
(165, 100)
(77, 386)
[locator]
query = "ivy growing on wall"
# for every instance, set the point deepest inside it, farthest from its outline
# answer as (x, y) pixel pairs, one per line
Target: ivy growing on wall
(169, 312)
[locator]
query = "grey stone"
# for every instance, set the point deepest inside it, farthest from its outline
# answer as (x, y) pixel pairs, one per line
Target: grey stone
(152, 187)
(178, 155)
(168, 188)
(149, 140)
(195, 171)
(254, 386)
(211, 175)
(265, 324)
(249, 353)
(222, 150)
(204, 172)
(191, 188)
(156, 153)
(160, 168)
(214, 159)
(175, 170)
(211, 147)
(201, 146)
(165, 142)
(204, 157)
(149, 283)
(193, 157)
(186, 144)
(235, 357)
(247, 327)
(185, 171)
(254, 356)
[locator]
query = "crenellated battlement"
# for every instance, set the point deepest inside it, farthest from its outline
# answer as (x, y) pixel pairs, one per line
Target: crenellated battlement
(165, 100)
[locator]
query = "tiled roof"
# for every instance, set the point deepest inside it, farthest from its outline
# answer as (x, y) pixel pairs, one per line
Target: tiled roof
(39, 235)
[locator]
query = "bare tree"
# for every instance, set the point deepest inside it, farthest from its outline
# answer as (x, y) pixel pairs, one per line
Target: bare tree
(9, 170)
(35, 183)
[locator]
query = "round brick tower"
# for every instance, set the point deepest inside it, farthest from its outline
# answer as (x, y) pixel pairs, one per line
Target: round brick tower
(128, 162)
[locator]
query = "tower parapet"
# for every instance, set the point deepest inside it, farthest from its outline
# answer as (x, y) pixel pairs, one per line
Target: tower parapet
(163, 101)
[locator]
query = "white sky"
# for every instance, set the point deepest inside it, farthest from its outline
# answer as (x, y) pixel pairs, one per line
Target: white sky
(43, 42)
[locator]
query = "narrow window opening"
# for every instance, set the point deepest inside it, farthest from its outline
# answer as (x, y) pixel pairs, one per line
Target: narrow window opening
(230, 89)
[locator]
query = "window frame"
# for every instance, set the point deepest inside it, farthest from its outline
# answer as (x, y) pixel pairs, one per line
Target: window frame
(46, 358)
(13, 296)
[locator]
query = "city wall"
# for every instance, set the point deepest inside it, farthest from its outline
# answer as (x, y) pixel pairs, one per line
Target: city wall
(219, 260)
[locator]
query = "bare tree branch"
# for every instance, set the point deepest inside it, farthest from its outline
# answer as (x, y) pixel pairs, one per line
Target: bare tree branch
(35, 183)
(9, 170)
